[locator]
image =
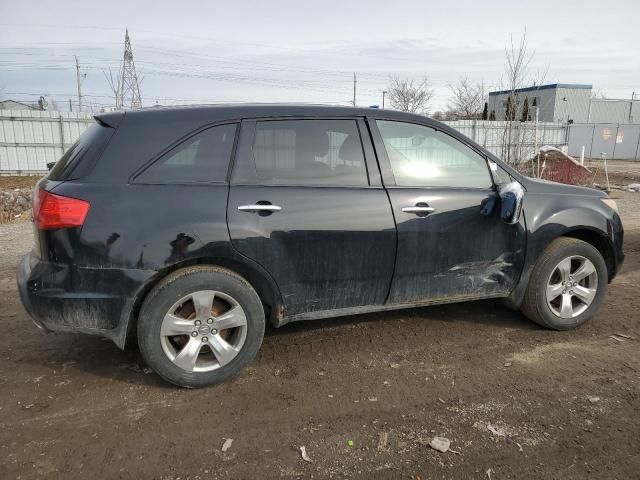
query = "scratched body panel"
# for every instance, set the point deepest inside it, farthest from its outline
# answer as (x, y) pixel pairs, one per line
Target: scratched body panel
(454, 251)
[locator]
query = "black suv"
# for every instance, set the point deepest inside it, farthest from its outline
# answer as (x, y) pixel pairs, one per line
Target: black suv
(193, 226)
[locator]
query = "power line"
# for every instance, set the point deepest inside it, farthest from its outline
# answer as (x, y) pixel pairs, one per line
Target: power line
(225, 62)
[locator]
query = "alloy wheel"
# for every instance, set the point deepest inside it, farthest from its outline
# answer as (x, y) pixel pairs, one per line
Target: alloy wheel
(572, 286)
(203, 331)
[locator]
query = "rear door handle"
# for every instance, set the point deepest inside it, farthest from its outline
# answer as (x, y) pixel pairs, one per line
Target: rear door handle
(417, 209)
(259, 208)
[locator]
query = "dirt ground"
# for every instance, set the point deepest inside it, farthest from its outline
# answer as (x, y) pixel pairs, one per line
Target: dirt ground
(620, 172)
(515, 400)
(18, 181)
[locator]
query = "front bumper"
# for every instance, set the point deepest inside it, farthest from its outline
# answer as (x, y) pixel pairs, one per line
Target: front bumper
(64, 298)
(616, 238)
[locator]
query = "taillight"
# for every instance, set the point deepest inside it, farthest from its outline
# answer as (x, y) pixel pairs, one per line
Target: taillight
(55, 211)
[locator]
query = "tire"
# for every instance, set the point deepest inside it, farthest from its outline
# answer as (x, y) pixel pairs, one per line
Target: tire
(214, 330)
(546, 282)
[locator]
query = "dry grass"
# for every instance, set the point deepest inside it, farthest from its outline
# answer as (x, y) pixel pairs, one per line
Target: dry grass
(10, 182)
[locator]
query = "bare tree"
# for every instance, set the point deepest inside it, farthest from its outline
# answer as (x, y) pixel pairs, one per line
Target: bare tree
(518, 75)
(410, 96)
(516, 63)
(115, 85)
(599, 94)
(467, 99)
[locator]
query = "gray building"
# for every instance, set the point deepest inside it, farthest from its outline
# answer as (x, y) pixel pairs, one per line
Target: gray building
(558, 102)
(606, 110)
(13, 105)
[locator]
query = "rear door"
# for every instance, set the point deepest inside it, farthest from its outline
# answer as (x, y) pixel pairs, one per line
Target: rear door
(307, 204)
(447, 250)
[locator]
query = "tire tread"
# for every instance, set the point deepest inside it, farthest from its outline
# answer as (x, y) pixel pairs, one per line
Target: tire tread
(530, 306)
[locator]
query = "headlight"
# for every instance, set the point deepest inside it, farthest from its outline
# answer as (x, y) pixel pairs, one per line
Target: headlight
(611, 203)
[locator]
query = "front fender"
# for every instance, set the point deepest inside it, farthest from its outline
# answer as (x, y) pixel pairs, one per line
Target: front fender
(550, 216)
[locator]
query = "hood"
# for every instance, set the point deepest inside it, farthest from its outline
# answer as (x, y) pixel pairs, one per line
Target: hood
(545, 186)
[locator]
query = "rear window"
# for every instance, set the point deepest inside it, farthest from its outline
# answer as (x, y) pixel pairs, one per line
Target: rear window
(202, 158)
(82, 155)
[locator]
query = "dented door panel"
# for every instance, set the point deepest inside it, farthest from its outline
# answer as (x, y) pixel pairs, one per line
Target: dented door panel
(454, 251)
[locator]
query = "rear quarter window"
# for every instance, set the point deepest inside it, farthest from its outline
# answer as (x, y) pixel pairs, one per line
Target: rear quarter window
(80, 158)
(202, 158)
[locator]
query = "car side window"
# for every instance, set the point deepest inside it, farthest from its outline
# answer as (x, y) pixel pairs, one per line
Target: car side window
(202, 158)
(309, 152)
(424, 157)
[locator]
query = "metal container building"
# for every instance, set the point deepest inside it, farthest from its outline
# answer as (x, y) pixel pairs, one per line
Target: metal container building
(558, 102)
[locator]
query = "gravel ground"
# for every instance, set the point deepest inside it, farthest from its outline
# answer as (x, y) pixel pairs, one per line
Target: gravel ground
(629, 206)
(16, 239)
(364, 395)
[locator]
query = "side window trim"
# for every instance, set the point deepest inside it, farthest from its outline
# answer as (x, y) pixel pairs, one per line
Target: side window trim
(384, 162)
(373, 170)
(244, 170)
(499, 170)
(133, 178)
(388, 179)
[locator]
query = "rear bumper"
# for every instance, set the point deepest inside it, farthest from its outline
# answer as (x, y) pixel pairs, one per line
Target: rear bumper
(22, 276)
(62, 298)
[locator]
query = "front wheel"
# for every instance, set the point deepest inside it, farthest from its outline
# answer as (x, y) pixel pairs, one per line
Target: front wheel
(200, 326)
(567, 285)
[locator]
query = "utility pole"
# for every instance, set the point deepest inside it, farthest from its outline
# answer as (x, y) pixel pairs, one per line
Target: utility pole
(384, 92)
(354, 89)
(79, 85)
(70, 106)
(536, 139)
(633, 96)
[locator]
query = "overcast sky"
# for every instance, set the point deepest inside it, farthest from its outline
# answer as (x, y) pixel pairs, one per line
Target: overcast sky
(307, 51)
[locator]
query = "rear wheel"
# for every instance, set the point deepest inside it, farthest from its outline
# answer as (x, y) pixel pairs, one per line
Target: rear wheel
(567, 285)
(200, 326)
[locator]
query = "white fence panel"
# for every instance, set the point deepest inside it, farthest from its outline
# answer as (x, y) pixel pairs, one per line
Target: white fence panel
(494, 136)
(29, 139)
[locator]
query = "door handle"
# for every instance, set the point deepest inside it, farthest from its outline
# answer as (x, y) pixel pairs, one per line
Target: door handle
(418, 209)
(259, 208)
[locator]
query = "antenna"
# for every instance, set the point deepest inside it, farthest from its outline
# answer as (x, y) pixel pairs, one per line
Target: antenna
(129, 95)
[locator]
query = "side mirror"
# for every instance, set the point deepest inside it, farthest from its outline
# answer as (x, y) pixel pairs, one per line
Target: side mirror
(50, 165)
(511, 195)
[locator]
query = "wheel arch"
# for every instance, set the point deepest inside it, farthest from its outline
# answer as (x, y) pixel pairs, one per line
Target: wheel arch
(598, 240)
(255, 275)
(589, 234)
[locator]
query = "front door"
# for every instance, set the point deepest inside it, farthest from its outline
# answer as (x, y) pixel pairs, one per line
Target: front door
(447, 250)
(304, 205)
